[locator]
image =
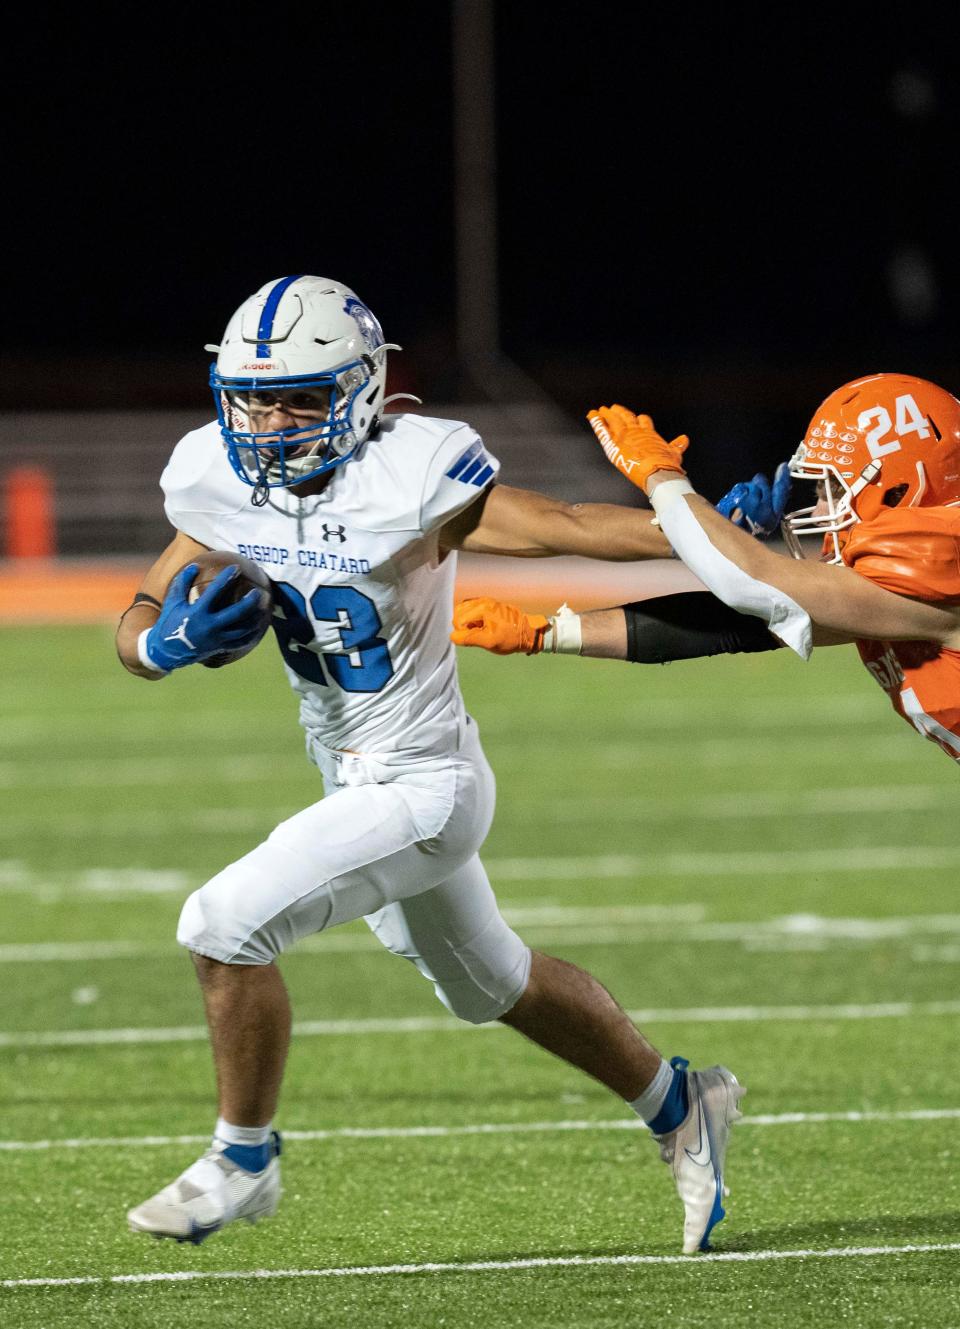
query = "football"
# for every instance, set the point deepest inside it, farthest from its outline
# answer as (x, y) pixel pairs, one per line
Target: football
(250, 577)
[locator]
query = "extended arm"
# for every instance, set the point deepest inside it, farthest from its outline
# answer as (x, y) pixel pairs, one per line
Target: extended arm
(686, 626)
(838, 601)
(530, 525)
(788, 594)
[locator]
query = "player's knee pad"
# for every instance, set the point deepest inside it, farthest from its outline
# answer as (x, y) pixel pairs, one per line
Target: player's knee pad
(209, 929)
(257, 907)
(491, 976)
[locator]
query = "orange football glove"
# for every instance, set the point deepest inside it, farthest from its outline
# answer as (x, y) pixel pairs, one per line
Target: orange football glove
(633, 446)
(501, 628)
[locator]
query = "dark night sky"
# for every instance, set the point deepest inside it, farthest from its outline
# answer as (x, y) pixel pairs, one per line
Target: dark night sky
(719, 202)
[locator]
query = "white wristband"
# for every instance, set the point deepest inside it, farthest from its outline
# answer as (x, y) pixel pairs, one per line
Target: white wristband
(668, 493)
(144, 655)
(564, 636)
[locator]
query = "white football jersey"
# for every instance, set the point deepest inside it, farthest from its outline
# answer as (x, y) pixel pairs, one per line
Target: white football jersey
(363, 601)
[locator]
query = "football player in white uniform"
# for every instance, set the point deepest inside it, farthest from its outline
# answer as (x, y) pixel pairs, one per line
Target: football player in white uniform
(355, 515)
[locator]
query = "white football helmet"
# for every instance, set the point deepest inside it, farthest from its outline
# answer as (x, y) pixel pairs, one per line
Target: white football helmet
(316, 342)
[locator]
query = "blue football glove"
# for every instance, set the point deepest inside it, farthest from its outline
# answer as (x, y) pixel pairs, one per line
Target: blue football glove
(187, 633)
(755, 505)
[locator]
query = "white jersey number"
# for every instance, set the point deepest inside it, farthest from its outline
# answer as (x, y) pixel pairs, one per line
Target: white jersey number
(909, 420)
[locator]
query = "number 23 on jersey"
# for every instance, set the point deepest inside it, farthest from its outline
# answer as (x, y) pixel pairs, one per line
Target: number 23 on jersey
(363, 662)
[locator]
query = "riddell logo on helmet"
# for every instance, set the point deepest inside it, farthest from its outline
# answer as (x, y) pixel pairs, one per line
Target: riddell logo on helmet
(261, 366)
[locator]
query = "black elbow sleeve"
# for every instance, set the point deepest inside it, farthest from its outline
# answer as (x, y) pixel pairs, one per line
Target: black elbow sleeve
(690, 625)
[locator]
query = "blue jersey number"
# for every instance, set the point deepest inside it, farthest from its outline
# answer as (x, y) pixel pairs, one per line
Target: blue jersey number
(363, 666)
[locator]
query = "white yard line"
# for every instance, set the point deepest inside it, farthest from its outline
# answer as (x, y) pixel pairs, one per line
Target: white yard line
(735, 863)
(440, 1024)
(595, 925)
(482, 1128)
(487, 1266)
(109, 883)
(641, 807)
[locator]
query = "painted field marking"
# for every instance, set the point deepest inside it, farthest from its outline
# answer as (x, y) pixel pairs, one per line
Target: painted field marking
(595, 925)
(735, 863)
(890, 1010)
(119, 882)
(487, 1266)
(847, 710)
(739, 806)
(481, 1129)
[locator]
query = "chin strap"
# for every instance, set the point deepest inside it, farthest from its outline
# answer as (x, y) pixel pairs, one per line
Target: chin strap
(402, 396)
(922, 489)
(866, 476)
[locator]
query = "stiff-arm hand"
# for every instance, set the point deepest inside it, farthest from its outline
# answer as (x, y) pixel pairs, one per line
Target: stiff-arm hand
(498, 627)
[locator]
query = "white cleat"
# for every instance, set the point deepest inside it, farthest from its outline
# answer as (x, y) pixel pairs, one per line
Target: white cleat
(212, 1192)
(696, 1150)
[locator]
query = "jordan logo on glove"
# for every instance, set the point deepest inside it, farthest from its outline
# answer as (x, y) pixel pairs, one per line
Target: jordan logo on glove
(180, 634)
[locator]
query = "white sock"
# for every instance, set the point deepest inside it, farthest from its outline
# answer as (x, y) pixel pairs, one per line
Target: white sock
(652, 1099)
(249, 1135)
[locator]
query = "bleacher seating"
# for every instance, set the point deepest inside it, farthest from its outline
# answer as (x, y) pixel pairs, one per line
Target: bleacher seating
(106, 465)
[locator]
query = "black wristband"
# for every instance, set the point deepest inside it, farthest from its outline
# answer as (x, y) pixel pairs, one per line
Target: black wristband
(690, 625)
(141, 598)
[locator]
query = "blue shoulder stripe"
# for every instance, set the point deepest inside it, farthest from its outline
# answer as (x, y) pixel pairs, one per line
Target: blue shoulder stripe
(472, 467)
(464, 460)
(469, 476)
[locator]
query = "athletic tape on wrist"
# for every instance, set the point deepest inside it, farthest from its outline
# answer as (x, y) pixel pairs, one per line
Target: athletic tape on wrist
(564, 636)
(668, 493)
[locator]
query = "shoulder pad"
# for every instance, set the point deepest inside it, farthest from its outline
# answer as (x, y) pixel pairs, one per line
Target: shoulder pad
(913, 552)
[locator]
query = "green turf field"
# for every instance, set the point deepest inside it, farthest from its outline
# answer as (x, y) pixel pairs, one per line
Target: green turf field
(755, 855)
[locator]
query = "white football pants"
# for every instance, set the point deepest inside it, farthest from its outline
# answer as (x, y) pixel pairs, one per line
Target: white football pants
(393, 844)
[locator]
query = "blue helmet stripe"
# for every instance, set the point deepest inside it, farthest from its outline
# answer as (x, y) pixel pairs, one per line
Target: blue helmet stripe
(265, 330)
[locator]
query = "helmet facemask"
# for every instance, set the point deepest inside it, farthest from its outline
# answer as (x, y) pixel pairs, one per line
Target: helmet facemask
(274, 458)
(833, 511)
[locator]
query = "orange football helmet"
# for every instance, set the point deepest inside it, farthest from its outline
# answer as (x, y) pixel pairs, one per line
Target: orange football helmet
(880, 442)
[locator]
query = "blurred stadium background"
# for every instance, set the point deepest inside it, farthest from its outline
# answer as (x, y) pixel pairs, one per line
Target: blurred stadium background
(711, 214)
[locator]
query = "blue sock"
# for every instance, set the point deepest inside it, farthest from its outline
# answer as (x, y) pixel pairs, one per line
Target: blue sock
(676, 1105)
(251, 1157)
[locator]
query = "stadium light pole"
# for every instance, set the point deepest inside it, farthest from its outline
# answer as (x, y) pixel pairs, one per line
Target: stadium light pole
(475, 184)
(475, 211)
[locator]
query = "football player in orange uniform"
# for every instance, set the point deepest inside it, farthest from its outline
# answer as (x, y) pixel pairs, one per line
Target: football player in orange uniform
(884, 452)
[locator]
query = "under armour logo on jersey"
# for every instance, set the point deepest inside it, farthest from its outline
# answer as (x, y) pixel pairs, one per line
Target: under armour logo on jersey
(334, 532)
(472, 467)
(180, 634)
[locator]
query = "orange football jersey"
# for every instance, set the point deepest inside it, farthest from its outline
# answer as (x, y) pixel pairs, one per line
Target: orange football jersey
(914, 552)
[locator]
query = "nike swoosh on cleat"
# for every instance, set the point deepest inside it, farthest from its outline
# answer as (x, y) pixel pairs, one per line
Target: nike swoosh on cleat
(701, 1155)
